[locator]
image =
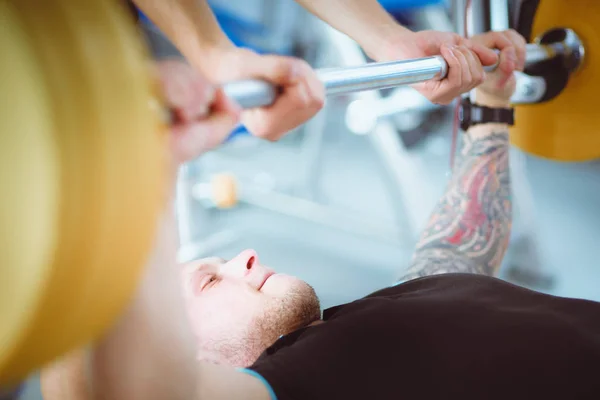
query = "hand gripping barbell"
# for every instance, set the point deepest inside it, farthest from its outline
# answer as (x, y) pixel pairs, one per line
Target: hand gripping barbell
(383, 75)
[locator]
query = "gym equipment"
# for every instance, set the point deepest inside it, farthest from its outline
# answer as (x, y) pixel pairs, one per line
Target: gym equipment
(83, 161)
(562, 44)
(566, 127)
(82, 169)
(226, 190)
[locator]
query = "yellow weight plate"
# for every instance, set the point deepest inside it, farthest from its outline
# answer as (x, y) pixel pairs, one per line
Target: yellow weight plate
(112, 172)
(29, 180)
(566, 128)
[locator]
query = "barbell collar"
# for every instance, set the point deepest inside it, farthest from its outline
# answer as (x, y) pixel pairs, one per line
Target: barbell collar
(566, 43)
(529, 89)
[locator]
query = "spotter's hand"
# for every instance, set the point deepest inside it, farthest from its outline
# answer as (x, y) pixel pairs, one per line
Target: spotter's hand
(500, 84)
(465, 59)
(203, 117)
(302, 96)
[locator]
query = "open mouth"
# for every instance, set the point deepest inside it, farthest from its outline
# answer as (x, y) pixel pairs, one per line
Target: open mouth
(265, 279)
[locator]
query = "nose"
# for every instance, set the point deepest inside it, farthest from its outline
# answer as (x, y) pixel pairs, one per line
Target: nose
(243, 264)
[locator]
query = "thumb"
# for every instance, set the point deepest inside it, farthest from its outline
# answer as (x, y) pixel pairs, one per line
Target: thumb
(191, 140)
(508, 60)
(506, 66)
(487, 56)
(223, 104)
(279, 70)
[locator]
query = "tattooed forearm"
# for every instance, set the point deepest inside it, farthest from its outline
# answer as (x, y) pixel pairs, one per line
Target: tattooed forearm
(470, 226)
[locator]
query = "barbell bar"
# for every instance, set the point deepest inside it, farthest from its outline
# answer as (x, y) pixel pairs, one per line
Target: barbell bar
(382, 75)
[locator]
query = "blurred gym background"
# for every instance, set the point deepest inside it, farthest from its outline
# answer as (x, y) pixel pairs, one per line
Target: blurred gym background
(340, 201)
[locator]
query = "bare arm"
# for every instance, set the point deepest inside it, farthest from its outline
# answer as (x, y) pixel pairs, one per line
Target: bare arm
(384, 39)
(365, 21)
(191, 26)
(149, 354)
(469, 228)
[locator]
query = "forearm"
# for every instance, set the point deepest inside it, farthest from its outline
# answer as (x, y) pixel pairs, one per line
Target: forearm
(365, 21)
(191, 26)
(470, 226)
(148, 354)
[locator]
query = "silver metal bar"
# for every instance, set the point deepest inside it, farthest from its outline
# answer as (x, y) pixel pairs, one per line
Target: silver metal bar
(363, 116)
(375, 76)
(479, 17)
(251, 93)
(537, 53)
(499, 15)
(458, 16)
(257, 93)
(529, 90)
(371, 76)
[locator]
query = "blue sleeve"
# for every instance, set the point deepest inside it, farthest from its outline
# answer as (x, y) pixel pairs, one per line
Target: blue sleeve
(260, 378)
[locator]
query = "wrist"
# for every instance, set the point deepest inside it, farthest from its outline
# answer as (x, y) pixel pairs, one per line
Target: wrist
(204, 52)
(480, 115)
(209, 60)
(382, 42)
(487, 129)
(487, 100)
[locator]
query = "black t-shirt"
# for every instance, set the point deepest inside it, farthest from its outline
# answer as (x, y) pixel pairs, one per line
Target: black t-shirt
(455, 336)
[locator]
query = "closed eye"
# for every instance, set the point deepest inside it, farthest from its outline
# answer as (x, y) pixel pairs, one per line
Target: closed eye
(208, 282)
